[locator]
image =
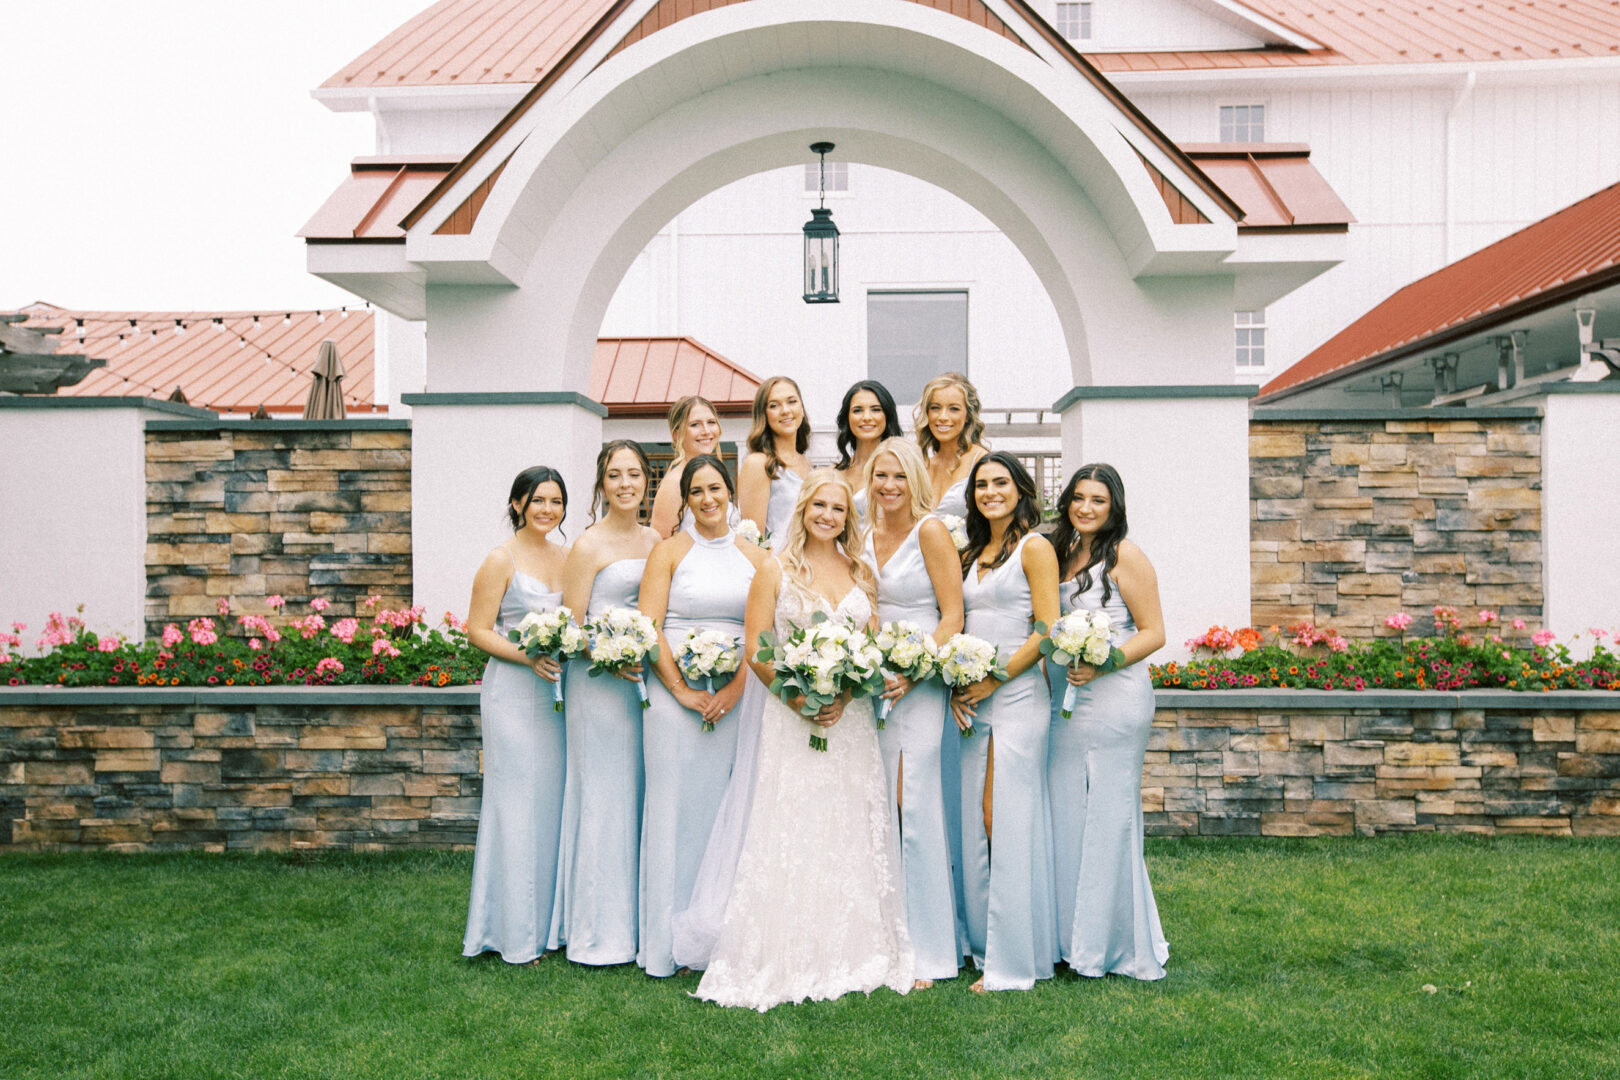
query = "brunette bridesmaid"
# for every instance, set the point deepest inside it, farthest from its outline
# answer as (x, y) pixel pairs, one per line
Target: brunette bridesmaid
(1108, 922)
(694, 428)
(951, 435)
(602, 804)
(1010, 577)
(512, 908)
(695, 582)
(768, 482)
(919, 581)
(866, 417)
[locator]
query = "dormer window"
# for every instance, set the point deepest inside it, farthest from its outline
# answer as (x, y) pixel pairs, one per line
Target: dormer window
(1073, 21)
(1243, 123)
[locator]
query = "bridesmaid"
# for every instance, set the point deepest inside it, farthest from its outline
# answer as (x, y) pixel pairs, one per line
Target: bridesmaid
(951, 435)
(602, 803)
(1108, 922)
(694, 582)
(512, 909)
(920, 581)
(1010, 577)
(694, 428)
(769, 480)
(866, 418)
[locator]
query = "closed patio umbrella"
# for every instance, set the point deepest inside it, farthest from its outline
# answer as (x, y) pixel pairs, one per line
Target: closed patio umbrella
(325, 390)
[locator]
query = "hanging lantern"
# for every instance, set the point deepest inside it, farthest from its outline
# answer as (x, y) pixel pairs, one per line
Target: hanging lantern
(821, 244)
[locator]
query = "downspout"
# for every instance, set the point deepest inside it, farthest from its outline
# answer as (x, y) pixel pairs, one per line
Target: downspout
(1464, 92)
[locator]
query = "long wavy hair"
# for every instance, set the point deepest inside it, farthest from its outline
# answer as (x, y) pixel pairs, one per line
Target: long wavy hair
(912, 464)
(1105, 545)
(972, 430)
(598, 496)
(523, 488)
(794, 567)
(679, 414)
(761, 439)
(690, 469)
(1026, 513)
(891, 419)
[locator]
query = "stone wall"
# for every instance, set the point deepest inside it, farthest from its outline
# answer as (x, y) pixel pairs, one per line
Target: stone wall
(1353, 519)
(364, 768)
(299, 509)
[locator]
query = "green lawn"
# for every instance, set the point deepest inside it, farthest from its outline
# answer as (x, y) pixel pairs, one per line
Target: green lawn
(1289, 959)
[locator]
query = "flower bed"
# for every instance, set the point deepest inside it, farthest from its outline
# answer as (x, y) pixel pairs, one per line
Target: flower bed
(387, 648)
(1490, 656)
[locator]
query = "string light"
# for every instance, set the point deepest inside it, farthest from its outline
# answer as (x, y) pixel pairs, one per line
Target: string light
(219, 325)
(255, 322)
(286, 320)
(79, 328)
(179, 327)
(320, 316)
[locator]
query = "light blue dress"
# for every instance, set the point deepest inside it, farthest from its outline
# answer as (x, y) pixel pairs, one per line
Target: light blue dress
(1108, 922)
(912, 740)
(784, 495)
(602, 803)
(1011, 912)
(513, 904)
(954, 501)
(687, 768)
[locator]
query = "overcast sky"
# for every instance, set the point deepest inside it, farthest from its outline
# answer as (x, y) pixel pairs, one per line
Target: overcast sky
(161, 153)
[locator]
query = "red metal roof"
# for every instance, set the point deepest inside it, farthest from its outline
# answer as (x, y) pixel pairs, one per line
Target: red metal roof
(1409, 33)
(377, 194)
(232, 365)
(645, 376)
(1274, 183)
(1574, 251)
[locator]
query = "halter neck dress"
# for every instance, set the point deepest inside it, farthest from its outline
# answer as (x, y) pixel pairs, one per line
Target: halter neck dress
(687, 768)
(1012, 921)
(602, 803)
(1108, 922)
(512, 909)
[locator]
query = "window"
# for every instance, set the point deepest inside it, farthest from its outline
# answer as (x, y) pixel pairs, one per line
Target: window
(837, 176)
(1250, 327)
(1073, 21)
(913, 336)
(1243, 123)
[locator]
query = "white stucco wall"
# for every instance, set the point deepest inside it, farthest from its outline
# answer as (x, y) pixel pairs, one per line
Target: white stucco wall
(1580, 516)
(73, 489)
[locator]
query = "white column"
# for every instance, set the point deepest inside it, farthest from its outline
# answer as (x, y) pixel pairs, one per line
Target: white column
(465, 450)
(1580, 444)
(1183, 454)
(73, 488)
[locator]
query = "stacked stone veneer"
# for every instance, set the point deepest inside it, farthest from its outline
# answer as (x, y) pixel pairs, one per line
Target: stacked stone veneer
(1352, 520)
(368, 768)
(251, 510)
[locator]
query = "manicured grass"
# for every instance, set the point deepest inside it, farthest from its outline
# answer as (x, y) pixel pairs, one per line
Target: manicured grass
(1290, 959)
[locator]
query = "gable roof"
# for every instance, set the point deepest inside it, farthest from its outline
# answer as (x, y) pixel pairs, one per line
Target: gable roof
(1574, 251)
(644, 376)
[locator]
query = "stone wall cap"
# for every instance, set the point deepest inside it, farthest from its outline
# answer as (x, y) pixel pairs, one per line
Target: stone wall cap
(366, 423)
(51, 401)
(209, 696)
(514, 397)
(1339, 700)
(1145, 393)
(1501, 412)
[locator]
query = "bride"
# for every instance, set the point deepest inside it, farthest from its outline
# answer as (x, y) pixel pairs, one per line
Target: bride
(817, 908)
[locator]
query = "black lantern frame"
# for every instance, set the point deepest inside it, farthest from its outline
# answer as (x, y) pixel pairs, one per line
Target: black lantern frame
(821, 244)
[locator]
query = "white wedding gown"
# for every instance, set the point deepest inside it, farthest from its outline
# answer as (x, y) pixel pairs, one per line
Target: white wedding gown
(818, 906)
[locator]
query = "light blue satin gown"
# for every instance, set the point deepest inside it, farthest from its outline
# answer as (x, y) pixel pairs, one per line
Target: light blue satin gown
(687, 768)
(912, 740)
(602, 803)
(513, 904)
(784, 496)
(954, 501)
(1011, 916)
(1108, 922)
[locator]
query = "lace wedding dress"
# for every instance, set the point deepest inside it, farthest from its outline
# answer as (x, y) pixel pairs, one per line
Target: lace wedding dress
(818, 908)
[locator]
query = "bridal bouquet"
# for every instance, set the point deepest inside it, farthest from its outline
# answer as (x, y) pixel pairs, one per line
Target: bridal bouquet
(550, 633)
(748, 531)
(1080, 637)
(821, 662)
(706, 656)
(906, 651)
(965, 660)
(957, 527)
(620, 638)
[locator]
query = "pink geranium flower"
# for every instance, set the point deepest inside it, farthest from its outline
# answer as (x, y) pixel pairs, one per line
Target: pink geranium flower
(383, 645)
(275, 603)
(454, 623)
(371, 601)
(172, 636)
(255, 644)
(223, 606)
(1518, 624)
(107, 644)
(1487, 616)
(202, 631)
(320, 603)
(329, 663)
(310, 625)
(1543, 638)
(345, 629)
(18, 627)
(1398, 621)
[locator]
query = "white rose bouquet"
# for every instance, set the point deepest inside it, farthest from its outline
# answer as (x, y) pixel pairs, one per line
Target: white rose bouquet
(820, 662)
(957, 527)
(748, 531)
(965, 660)
(707, 656)
(1080, 637)
(620, 638)
(550, 633)
(906, 651)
